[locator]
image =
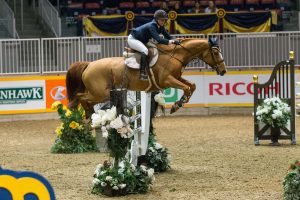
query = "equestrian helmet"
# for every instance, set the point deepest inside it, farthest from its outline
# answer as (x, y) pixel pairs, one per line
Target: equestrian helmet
(160, 14)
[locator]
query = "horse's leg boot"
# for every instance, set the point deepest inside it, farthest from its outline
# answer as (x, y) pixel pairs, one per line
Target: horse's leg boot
(144, 68)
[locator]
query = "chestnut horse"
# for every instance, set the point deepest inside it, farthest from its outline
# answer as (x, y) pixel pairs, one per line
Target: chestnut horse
(90, 83)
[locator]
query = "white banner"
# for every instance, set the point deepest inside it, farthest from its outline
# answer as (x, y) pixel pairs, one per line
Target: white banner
(232, 89)
(22, 95)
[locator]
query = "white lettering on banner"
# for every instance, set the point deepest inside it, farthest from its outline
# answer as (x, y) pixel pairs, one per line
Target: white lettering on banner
(21, 93)
(27, 93)
(37, 93)
(12, 94)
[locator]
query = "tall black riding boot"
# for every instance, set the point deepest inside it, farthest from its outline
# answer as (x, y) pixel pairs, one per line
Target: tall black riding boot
(144, 67)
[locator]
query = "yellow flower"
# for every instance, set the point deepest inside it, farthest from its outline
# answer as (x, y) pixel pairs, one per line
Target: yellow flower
(74, 125)
(59, 130)
(68, 113)
(55, 105)
(65, 107)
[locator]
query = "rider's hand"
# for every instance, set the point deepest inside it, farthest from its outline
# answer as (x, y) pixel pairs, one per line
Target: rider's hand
(177, 42)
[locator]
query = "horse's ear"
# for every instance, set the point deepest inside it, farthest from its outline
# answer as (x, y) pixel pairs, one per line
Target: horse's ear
(213, 41)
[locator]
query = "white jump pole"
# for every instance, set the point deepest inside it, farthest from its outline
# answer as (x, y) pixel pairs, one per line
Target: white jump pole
(142, 127)
(145, 116)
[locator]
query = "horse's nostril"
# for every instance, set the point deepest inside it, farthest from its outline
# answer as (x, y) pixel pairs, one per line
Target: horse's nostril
(223, 72)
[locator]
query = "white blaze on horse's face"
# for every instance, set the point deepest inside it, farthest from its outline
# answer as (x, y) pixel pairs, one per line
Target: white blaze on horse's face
(218, 60)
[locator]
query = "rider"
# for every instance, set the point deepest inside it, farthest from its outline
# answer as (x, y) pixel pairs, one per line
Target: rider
(139, 37)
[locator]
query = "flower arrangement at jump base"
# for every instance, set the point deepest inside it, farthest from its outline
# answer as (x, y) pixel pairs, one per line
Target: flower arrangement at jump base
(157, 156)
(73, 134)
(291, 183)
(121, 177)
(275, 113)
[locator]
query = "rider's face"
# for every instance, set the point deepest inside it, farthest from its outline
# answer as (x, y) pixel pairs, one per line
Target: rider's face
(161, 22)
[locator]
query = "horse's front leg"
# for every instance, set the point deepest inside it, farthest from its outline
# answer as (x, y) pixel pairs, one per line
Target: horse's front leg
(191, 85)
(175, 83)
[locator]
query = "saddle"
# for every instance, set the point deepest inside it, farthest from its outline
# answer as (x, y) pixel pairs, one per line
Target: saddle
(133, 57)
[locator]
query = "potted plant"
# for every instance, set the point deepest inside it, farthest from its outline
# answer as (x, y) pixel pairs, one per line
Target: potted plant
(291, 183)
(276, 114)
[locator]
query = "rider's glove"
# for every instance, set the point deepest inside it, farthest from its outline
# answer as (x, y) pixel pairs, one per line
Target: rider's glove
(177, 42)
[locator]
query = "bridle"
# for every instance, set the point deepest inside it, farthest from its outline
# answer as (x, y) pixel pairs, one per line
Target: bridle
(211, 48)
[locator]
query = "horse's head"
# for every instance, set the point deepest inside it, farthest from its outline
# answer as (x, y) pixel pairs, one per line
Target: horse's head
(213, 57)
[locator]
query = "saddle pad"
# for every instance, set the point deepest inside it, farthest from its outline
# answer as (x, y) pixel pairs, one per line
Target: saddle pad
(132, 60)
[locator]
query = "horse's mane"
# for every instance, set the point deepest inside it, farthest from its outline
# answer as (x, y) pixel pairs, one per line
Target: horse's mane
(170, 48)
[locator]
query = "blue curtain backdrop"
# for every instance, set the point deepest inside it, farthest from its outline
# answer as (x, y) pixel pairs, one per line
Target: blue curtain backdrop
(184, 23)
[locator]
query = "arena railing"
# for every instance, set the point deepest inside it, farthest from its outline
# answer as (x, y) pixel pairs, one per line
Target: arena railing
(51, 16)
(8, 15)
(59, 53)
(54, 55)
(20, 56)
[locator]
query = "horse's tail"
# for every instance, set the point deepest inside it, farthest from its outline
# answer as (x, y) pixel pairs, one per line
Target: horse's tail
(74, 82)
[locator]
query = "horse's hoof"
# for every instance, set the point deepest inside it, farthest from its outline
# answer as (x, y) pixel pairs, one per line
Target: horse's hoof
(174, 109)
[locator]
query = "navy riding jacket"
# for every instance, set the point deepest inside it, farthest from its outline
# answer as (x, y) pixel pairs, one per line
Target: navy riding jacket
(150, 30)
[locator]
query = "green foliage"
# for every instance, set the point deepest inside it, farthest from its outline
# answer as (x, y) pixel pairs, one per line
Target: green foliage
(117, 145)
(73, 134)
(121, 179)
(291, 183)
(157, 156)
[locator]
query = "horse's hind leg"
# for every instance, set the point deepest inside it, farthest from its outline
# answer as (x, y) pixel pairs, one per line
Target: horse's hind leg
(88, 100)
(175, 83)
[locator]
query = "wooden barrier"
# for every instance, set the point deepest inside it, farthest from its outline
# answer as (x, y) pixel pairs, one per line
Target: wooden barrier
(282, 85)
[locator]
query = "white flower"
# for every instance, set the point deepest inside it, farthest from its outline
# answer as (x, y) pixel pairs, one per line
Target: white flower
(151, 149)
(116, 123)
(276, 114)
(121, 167)
(157, 145)
(108, 178)
(144, 168)
(160, 99)
(109, 115)
(96, 120)
(150, 172)
(115, 187)
(104, 132)
(273, 112)
(96, 181)
(132, 167)
(103, 184)
(121, 186)
(98, 169)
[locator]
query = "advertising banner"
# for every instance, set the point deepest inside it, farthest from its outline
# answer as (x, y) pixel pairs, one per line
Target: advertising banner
(233, 89)
(37, 93)
(31, 94)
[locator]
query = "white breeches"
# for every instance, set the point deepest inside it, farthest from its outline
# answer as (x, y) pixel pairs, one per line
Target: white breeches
(137, 45)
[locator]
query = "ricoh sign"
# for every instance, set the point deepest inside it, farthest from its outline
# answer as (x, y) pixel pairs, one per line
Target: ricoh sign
(232, 89)
(239, 88)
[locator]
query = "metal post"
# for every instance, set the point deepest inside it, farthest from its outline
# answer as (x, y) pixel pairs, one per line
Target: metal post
(57, 4)
(22, 15)
(15, 8)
